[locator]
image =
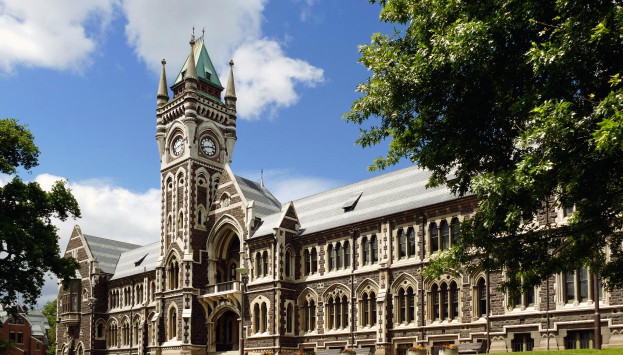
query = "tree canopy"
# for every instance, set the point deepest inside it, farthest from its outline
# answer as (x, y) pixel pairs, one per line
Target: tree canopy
(28, 239)
(518, 102)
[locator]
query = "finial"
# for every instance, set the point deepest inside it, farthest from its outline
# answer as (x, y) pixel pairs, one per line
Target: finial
(163, 61)
(231, 62)
(230, 92)
(163, 93)
(193, 36)
(262, 177)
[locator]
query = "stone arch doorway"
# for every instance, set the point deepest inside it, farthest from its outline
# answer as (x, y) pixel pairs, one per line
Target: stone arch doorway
(226, 332)
(224, 248)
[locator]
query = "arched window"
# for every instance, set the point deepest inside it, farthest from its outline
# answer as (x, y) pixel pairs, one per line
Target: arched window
(346, 254)
(264, 324)
(330, 313)
(366, 250)
(403, 306)
(174, 272)
(372, 308)
(435, 295)
(411, 241)
(314, 261)
(344, 311)
(172, 323)
(482, 298)
(434, 238)
(258, 264)
(265, 263)
(454, 300)
(199, 216)
(256, 318)
(366, 310)
(180, 221)
(111, 334)
(307, 262)
(312, 315)
(331, 257)
(374, 248)
(125, 333)
(289, 318)
(338, 312)
(288, 261)
(153, 291)
(444, 302)
(410, 305)
(456, 227)
(445, 235)
(100, 331)
(136, 332)
(338, 256)
(402, 240)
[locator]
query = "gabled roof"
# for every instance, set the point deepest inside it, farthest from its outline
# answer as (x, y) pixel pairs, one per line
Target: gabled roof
(38, 322)
(136, 261)
(272, 221)
(107, 251)
(265, 202)
(383, 195)
(205, 69)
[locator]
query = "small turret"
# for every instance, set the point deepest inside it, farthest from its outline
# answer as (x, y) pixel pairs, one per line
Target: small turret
(163, 93)
(230, 94)
(191, 70)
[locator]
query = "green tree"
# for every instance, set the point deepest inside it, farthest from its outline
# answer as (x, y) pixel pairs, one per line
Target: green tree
(516, 101)
(49, 311)
(28, 239)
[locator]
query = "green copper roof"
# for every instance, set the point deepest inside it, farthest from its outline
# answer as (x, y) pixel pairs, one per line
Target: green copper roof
(205, 69)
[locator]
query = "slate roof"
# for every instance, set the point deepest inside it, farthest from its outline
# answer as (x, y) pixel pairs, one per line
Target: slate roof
(265, 203)
(107, 251)
(268, 223)
(136, 261)
(383, 195)
(38, 322)
(205, 68)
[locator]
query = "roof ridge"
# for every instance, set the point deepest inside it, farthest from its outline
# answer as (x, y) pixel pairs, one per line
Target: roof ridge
(360, 181)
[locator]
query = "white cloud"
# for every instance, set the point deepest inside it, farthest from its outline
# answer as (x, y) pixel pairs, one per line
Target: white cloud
(288, 185)
(265, 78)
(51, 34)
(108, 211)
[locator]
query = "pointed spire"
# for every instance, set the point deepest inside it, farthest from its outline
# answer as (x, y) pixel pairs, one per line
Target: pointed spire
(191, 71)
(230, 94)
(163, 93)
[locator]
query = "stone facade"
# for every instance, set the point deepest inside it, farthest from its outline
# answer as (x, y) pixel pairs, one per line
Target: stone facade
(319, 276)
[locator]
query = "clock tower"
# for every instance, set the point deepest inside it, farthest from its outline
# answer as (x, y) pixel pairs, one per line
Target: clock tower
(196, 133)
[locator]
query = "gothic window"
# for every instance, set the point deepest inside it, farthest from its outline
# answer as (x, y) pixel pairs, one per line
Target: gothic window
(346, 254)
(368, 306)
(578, 284)
(402, 240)
(435, 294)
(258, 264)
(174, 273)
(199, 216)
(153, 291)
(331, 257)
(330, 312)
(136, 332)
(411, 241)
(344, 311)
(232, 272)
(336, 309)
(289, 318)
(455, 228)
(454, 300)
(366, 250)
(374, 249)
(111, 334)
(482, 298)
(314, 260)
(338, 256)
(403, 306)
(434, 238)
(287, 262)
(365, 305)
(307, 262)
(99, 332)
(445, 235)
(307, 313)
(125, 333)
(264, 321)
(265, 263)
(410, 305)
(445, 305)
(172, 331)
(256, 317)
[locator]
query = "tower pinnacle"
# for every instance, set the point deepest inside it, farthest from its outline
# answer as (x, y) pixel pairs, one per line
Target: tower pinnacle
(230, 93)
(163, 94)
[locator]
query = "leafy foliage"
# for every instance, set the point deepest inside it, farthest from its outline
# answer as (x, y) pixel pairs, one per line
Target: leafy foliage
(49, 311)
(518, 102)
(28, 239)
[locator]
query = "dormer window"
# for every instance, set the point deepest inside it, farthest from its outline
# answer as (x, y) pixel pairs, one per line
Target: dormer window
(350, 204)
(208, 75)
(184, 75)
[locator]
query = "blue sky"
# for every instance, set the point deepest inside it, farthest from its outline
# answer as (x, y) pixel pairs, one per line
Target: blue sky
(84, 78)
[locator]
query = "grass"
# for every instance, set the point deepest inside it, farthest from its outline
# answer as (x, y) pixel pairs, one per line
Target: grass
(577, 352)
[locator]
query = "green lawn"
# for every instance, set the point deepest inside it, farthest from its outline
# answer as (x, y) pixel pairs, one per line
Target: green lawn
(576, 352)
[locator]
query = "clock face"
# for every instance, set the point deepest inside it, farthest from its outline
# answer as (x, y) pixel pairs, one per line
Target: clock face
(208, 147)
(178, 146)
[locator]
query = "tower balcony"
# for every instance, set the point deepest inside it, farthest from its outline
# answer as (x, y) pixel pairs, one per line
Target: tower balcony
(70, 318)
(229, 290)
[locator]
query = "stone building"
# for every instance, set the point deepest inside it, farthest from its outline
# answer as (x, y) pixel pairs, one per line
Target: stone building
(333, 270)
